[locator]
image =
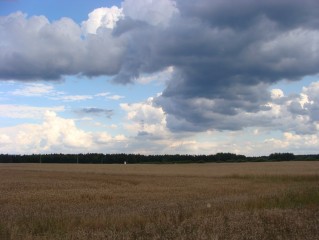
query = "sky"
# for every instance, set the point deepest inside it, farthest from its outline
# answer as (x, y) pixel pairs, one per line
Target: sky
(159, 77)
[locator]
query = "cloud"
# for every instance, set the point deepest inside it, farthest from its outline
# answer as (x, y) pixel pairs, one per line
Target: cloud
(146, 125)
(102, 17)
(241, 14)
(292, 113)
(25, 111)
(225, 56)
(4, 140)
(115, 97)
(34, 89)
(161, 76)
(73, 98)
(102, 94)
(105, 138)
(109, 96)
(289, 142)
(32, 48)
(95, 111)
(277, 93)
(48, 91)
(152, 12)
(144, 112)
(147, 132)
(278, 129)
(223, 64)
(55, 134)
(252, 133)
(309, 100)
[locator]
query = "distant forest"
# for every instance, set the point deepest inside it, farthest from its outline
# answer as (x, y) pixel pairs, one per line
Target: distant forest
(99, 158)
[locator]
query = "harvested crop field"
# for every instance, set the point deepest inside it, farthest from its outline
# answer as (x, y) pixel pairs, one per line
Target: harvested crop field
(178, 201)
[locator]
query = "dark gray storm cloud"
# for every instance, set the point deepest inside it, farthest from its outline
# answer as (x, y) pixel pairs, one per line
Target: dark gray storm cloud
(225, 54)
(241, 14)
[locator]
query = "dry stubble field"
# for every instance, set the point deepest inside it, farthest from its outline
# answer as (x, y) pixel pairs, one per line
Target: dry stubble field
(179, 201)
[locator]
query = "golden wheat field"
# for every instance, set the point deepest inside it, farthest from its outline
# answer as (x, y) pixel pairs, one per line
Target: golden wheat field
(178, 201)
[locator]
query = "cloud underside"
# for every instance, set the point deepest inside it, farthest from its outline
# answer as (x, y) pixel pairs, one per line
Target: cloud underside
(225, 56)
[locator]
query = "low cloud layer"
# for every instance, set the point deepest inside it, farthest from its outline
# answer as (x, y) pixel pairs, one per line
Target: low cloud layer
(288, 123)
(225, 56)
(294, 113)
(55, 134)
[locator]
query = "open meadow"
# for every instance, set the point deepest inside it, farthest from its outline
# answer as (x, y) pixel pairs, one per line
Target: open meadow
(178, 201)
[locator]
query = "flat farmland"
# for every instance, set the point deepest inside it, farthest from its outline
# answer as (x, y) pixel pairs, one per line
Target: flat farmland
(175, 201)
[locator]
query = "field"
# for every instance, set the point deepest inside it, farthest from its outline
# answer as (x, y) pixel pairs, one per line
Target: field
(178, 201)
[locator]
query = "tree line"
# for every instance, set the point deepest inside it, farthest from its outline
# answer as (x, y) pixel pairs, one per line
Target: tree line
(99, 158)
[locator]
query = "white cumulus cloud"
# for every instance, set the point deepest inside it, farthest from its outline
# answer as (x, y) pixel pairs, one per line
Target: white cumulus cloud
(102, 17)
(54, 134)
